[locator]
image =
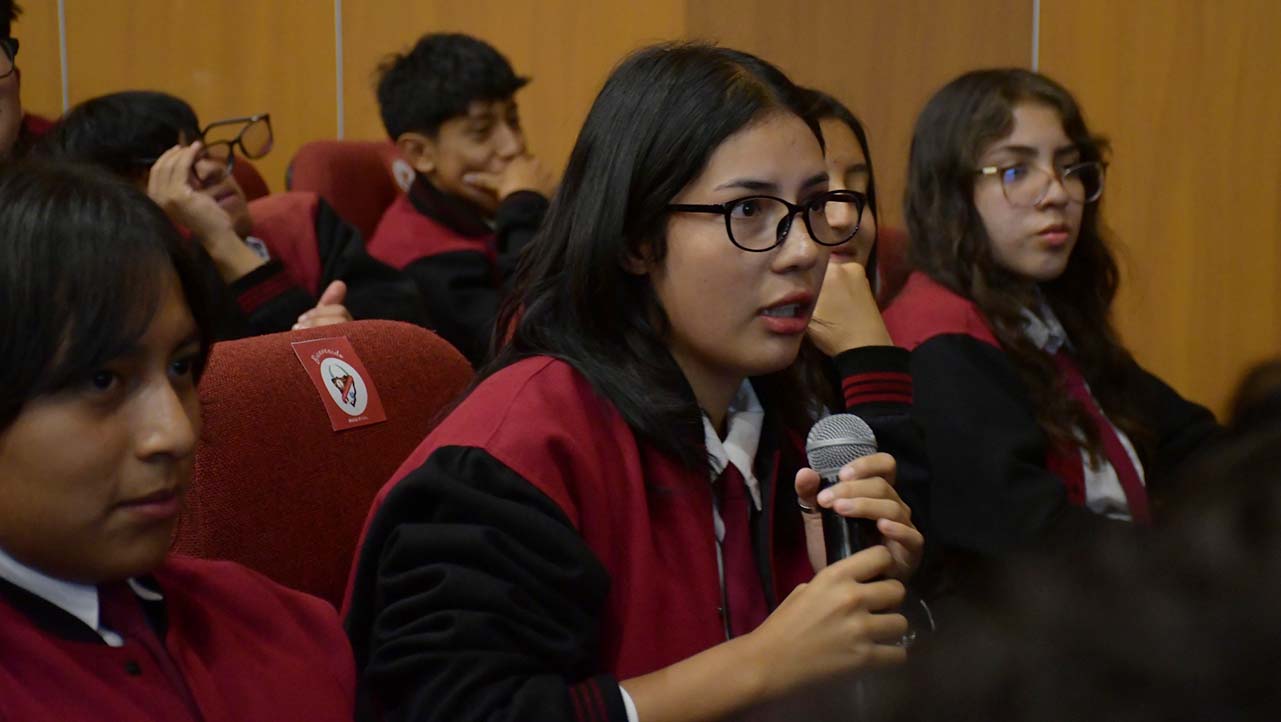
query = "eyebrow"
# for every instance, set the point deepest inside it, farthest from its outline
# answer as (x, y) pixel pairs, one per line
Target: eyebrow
(858, 168)
(1027, 151)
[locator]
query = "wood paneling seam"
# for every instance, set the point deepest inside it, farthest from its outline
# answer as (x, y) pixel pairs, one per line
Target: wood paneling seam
(62, 52)
(338, 60)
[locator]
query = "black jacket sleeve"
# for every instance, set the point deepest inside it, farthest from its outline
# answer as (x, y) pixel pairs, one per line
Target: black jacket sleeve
(899, 435)
(269, 300)
(374, 289)
(1180, 428)
(463, 289)
(475, 599)
(990, 490)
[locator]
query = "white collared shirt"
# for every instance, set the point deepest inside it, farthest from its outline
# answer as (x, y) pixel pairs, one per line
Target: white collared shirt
(743, 422)
(1103, 491)
(78, 600)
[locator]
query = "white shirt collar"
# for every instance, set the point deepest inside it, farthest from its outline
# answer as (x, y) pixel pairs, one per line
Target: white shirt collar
(78, 600)
(1043, 329)
(743, 422)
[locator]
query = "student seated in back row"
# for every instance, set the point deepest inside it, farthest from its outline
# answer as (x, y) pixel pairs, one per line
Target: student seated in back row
(155, 140)
(102, 339)
(449, 103)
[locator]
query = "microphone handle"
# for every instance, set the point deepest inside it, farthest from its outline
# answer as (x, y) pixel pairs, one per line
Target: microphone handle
(843, 537)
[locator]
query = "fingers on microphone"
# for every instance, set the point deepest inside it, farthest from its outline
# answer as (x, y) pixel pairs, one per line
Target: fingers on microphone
(876, 487)
(904, 534)
(875, 509)
(807, 481)
(878, 464)
(864, 566)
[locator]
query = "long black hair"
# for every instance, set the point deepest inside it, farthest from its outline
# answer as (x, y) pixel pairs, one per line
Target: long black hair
(85, 259)
(660, 116)
(949, 242)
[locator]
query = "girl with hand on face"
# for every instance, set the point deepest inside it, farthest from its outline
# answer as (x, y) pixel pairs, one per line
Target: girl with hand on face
(610, 526)
(103, 331)
(847, 327)
(1036, 417)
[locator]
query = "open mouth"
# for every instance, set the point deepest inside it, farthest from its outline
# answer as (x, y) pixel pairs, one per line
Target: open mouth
(791, 310)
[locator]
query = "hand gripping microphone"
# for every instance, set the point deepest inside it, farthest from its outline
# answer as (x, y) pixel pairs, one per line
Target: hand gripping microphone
(834, 442)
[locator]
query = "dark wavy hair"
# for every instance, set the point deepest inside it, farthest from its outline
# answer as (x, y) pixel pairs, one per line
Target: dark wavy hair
(85, 259)
(659, 117)
(950, 243)
(438, 79)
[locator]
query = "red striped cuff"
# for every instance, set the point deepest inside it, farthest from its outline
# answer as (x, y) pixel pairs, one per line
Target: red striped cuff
(894, 387)
(589, 700)
(251, 298)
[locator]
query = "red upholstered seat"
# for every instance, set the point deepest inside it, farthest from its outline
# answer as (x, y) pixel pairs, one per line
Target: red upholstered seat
(358, 178)
(275, 488)
(286, 222)
(250, 180)
(892, 267)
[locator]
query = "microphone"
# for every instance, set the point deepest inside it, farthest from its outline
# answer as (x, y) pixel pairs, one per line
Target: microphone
(832, 443)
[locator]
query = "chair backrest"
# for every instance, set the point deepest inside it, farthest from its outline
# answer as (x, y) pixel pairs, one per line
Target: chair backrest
(275, 487)
(286, 222)
(249, 179)
(892, 266)
(358, 178)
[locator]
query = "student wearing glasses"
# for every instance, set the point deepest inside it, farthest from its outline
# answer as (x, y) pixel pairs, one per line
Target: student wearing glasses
(155, 140)
(1036, 417)
(611, 525)
(103, 333)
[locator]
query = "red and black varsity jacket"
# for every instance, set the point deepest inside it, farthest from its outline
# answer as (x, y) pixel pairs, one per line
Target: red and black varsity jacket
(990, 489)
(461, 264)
(310, 248)
(248, 648)
(533, 551)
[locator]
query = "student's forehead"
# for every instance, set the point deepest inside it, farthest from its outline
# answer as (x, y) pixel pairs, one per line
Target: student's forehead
(479, 109)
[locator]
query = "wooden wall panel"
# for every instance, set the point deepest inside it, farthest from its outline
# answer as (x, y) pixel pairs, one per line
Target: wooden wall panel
(226, 58)
(883, 59)
(37, 31)
(568, 47)
(1187, 91)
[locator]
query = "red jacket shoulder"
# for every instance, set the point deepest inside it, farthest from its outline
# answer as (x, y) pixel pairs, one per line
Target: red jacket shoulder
(925, 309)
(405, 235)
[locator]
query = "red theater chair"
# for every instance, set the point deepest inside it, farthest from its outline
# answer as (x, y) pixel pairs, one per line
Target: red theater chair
(275, 487)
(358, 178)
(250, 179)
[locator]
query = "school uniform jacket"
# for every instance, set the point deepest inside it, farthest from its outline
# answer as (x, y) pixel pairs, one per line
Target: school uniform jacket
(991, 489)
(310, 247)
(249, 649)
(461, 264)
(533, 551)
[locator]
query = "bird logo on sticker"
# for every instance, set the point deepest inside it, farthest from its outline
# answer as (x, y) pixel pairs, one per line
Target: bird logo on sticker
(345, 386)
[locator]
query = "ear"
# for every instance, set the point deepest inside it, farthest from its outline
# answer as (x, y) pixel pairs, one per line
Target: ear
(419, 151)
(640, 261)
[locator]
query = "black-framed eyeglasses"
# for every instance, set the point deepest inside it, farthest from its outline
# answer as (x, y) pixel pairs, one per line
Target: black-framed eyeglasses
(761, 223)
(8, 56)
(1025, 185)
(251, 133)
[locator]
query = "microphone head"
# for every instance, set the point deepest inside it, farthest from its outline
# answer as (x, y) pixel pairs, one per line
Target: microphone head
(837, 440)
